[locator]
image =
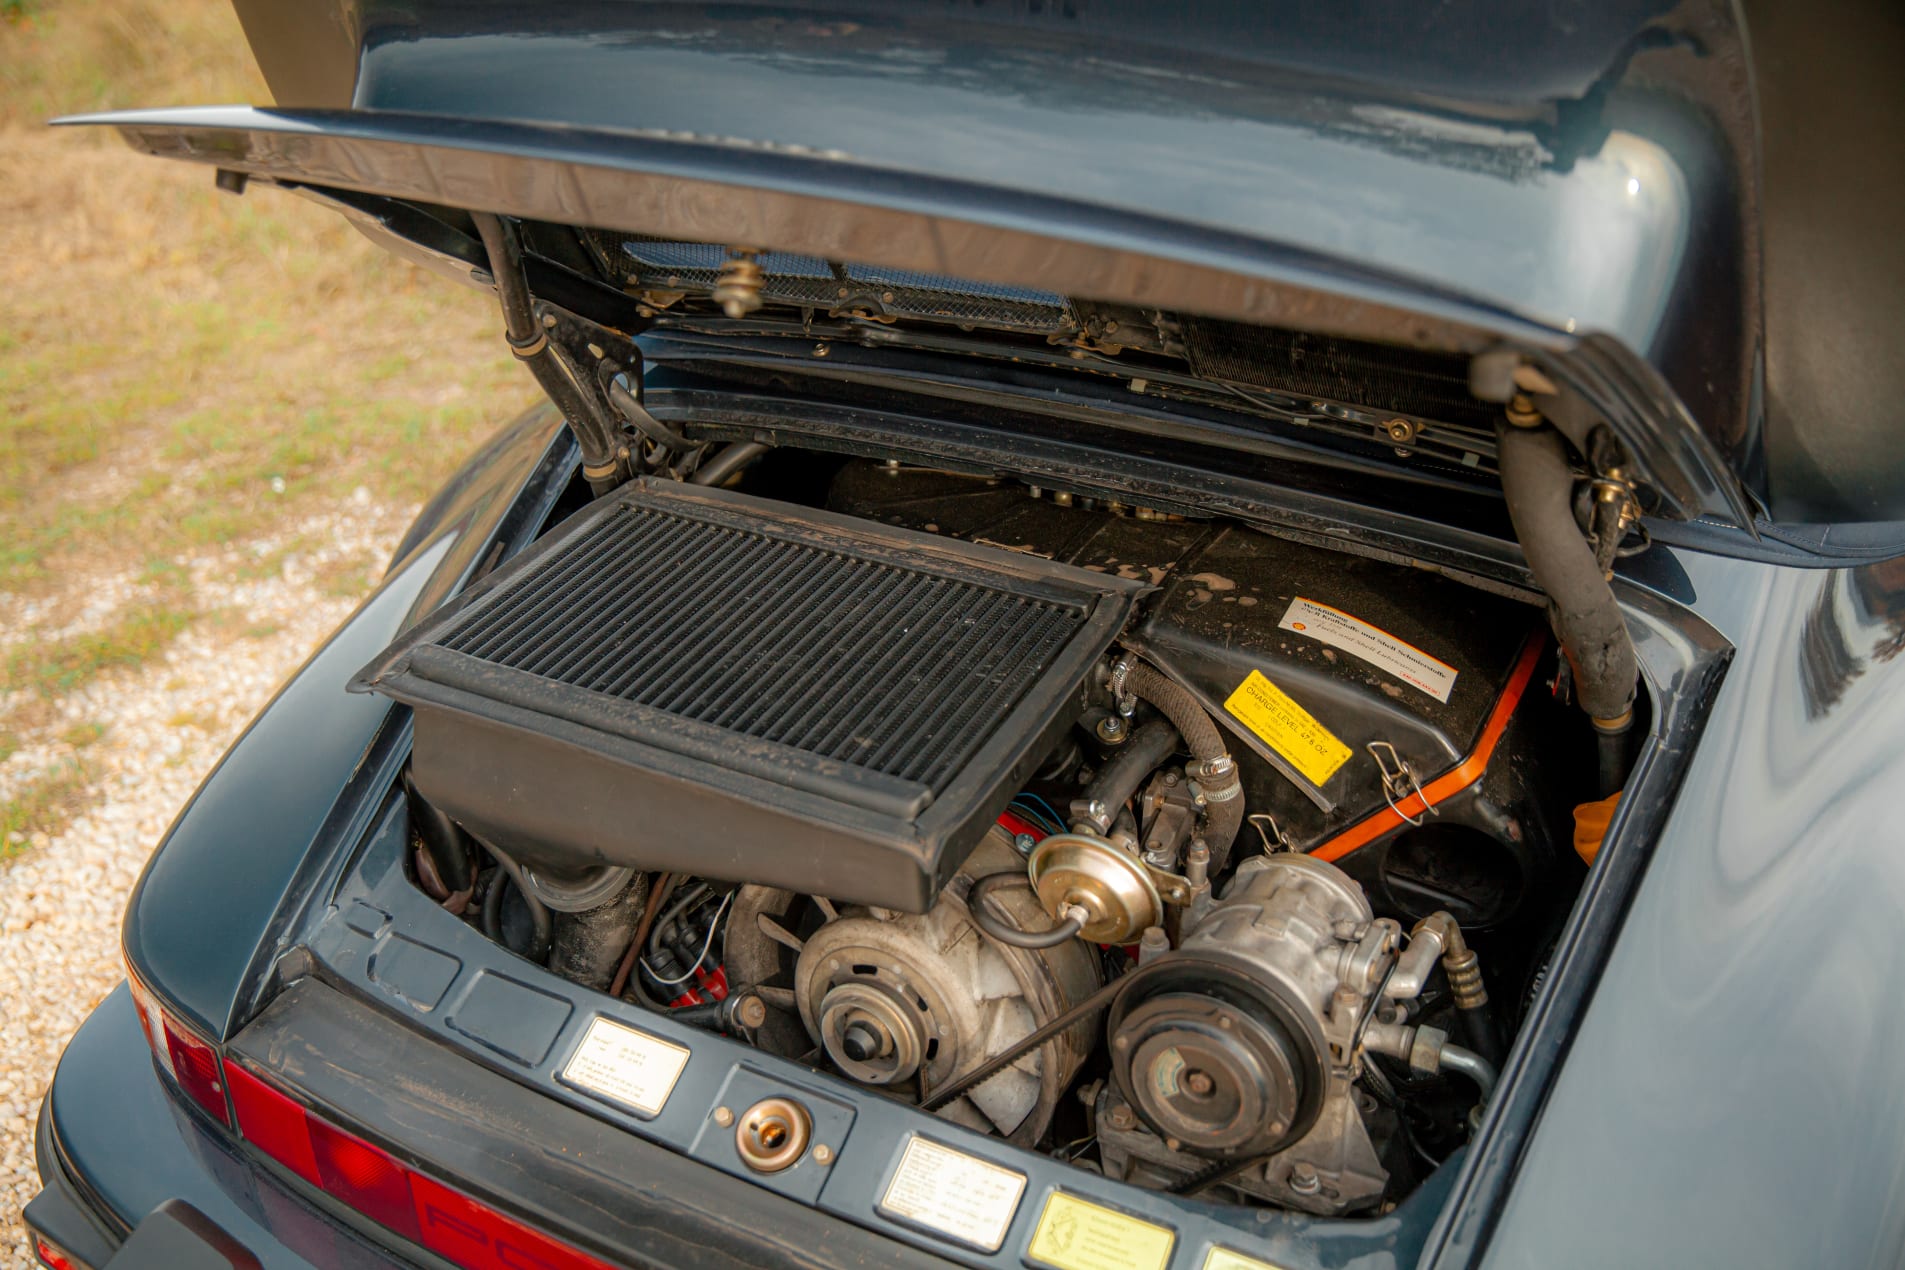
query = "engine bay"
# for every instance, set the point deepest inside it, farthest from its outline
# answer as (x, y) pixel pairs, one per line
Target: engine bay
(1211, 861)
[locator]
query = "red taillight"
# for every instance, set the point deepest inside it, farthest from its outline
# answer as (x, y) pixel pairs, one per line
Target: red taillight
(368, 1179)
(51, 1254)
(356, 1172)
(190, 1062)
(272, 1123)
(480, 1238)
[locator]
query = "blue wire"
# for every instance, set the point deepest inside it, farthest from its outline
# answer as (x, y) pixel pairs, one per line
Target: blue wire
(1056, 821)
(1028, 812)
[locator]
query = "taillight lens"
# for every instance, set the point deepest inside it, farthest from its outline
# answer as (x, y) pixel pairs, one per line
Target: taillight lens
(370, 1180)
(52, 1255)
(191, 1063)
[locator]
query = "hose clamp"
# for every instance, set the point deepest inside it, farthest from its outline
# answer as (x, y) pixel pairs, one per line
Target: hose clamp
(1120, 696)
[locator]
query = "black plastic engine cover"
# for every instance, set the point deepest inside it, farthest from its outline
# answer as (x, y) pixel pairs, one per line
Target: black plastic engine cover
(1371, 652)
(696, 680)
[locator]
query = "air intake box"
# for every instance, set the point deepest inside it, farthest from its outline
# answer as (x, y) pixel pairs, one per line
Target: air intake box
(695, 680)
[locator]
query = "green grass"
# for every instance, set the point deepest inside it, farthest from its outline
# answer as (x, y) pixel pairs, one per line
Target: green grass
(54, 669)
(81, 735)
(47, 805)
(166, 351)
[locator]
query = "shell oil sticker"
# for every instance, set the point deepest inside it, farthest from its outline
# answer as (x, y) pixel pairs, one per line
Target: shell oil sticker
(1286, 727)
(1371, 644)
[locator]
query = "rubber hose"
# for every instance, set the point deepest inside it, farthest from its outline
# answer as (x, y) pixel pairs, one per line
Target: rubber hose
(1539, 489)
(538, 912)
(1224, 807)
(1478, 1029)
(1611, 768)
(728, 462)
(442, 837)
(975, 905)
(1147, 750)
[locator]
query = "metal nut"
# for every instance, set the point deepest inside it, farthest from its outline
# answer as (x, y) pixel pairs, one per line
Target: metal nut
(823, 1154)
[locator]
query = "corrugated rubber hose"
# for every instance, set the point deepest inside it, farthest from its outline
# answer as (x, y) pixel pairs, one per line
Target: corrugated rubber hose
(1539, 487)
(1219, 779)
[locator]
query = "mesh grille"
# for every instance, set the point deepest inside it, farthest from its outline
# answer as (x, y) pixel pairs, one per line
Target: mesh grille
(812, 282)
(1402, 381)
(889, 669)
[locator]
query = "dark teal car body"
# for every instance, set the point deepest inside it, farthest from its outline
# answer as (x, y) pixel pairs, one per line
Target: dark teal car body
(1681, 210)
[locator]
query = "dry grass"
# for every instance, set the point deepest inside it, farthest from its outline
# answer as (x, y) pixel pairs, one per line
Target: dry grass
(181, 369)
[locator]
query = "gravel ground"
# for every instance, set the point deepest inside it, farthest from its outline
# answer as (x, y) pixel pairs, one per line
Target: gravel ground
(167, 722)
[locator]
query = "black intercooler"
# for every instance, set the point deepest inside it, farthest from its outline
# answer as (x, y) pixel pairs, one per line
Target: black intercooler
(697, 680)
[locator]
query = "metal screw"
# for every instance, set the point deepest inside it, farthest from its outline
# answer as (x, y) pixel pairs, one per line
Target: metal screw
(548, 321)
(723, 1117)
(1200, 1083)
(823, 1154)
(1303, 1179)
(1023, 843)
(1401, 431)
(821, 350)
(1121, 1117)
(1111, 729)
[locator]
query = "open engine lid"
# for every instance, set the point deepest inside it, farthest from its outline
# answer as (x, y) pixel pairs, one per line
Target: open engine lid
(1372, 172)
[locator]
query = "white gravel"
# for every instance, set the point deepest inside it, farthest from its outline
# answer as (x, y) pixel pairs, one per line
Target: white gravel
(166, 724)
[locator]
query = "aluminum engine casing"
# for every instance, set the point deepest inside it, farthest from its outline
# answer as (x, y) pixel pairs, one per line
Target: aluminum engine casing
(1291, 953)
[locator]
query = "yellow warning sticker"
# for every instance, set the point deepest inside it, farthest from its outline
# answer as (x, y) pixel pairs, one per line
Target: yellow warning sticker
(1225, 1259)
(1076, 1234)
(1287, 728)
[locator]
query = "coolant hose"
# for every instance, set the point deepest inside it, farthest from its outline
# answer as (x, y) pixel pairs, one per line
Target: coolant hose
(1147, 750)
(595, 437)
(1539, 487)
(985, 921)
(1215, 771)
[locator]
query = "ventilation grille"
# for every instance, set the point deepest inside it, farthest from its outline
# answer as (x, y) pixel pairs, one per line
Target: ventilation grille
(863, 662)
(1401, 381)
(811, 282)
